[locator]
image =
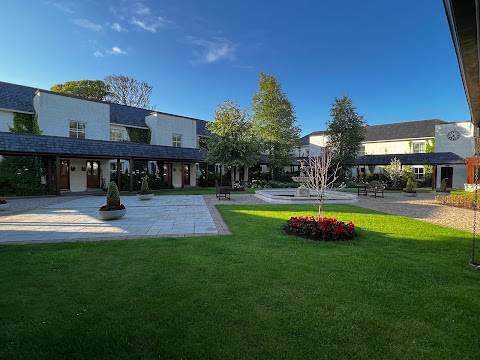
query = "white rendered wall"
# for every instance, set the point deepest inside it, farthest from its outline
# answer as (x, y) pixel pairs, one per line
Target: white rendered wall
(6, 120)
(317, 142)
(56, 111)
(463, 146)
(164, 126)
(391, 147)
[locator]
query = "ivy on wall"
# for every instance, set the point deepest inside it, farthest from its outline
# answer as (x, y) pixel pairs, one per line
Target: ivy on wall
(22, 175)
(142, 136)
(25, 124)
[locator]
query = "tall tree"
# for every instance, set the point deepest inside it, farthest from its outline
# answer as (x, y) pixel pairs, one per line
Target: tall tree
(274, 121)
(231, 141)
(128, 91)
(346, 132)
(92, 89)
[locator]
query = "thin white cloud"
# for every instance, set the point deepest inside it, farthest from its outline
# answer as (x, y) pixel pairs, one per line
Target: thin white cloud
(87, 24)
(150, 26)
(213, 50)
(141, 9)
(97, 54)
(116, 51)
(117, 27)
(62, 7)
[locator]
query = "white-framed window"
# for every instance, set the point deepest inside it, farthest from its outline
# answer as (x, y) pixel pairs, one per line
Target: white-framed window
(419, 173)
(418, 147)
(77, 129)
(177, 140)
(116, 135)
(113, 166)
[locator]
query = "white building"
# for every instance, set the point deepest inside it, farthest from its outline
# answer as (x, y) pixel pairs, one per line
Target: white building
(173, 154)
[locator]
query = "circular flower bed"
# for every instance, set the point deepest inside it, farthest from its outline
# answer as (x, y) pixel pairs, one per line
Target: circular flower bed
(324, 229)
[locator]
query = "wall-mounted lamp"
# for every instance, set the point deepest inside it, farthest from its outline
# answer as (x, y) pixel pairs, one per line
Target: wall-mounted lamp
(83, 168)
(72, 168)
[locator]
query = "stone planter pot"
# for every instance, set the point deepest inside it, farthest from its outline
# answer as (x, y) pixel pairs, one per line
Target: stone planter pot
(111, 214)
(408, 194)
(145, 196)
(4, 206)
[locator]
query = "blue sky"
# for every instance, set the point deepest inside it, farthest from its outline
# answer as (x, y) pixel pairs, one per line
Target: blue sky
(395, 59)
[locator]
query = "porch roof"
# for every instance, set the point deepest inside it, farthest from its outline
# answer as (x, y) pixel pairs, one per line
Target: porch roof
(43, 145)
(441, 158)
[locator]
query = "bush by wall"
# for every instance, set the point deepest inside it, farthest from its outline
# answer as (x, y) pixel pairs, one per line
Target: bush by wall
(464, 200)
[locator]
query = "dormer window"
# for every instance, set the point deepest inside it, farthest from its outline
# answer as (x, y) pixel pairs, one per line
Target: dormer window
(77, 129)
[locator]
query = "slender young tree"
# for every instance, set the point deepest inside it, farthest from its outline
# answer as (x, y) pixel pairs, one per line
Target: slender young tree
(128, 91)
(346, 132)
(231, 141)
(320, 175)
(274, 121)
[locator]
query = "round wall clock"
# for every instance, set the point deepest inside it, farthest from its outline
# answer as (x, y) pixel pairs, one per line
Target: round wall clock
(453, 135)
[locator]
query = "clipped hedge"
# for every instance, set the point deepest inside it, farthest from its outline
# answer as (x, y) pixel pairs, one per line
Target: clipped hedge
(465, 200)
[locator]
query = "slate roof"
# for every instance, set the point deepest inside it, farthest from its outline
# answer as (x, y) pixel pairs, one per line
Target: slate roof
(202, 127)
(17, 97)
(304, 140)
(127, 115)
(403, 130)
(447, 158)
(11, 143)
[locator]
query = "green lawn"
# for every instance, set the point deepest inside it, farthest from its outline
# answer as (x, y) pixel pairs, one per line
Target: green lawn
(402, 290)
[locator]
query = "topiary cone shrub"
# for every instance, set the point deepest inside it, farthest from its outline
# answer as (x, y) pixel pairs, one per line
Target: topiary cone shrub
(409, 187)
(144, 190)
(113, 198)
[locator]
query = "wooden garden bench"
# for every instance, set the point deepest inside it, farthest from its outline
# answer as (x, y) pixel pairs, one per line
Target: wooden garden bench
(374, 187)
(222, 191)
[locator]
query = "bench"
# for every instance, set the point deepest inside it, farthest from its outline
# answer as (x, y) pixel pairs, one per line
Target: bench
(222, 191)
(374, 187)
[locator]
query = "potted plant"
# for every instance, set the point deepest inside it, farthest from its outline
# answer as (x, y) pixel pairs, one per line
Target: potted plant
(114, 209)
(145, 193)
(409, 191)
(4, 205)
(443, 189)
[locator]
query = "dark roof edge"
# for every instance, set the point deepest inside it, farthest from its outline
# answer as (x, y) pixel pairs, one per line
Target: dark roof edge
(17, 111)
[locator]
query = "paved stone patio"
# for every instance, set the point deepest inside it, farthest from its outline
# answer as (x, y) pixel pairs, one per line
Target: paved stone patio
(77, 219)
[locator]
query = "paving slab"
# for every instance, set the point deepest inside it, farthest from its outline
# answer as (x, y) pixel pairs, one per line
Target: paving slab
(77, 219)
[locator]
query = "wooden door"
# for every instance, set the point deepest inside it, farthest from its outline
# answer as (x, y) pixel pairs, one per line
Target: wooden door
(447, 174)
(64, 174)
(93, 174)
(186, 174)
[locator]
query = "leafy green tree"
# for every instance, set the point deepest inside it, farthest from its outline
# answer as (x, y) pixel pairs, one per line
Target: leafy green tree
(92, 89)
(274, 121)
(231, 141)
(346, 132)
(128, 91)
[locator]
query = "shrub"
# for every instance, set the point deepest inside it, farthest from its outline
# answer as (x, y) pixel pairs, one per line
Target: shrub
(2, 201)
(113, 198)
(323, 229)
(443, 186)
(463, 200)
(144, 190)
(409, 186)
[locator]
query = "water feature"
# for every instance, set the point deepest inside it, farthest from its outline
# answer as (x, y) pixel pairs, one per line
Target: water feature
(290, 196)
